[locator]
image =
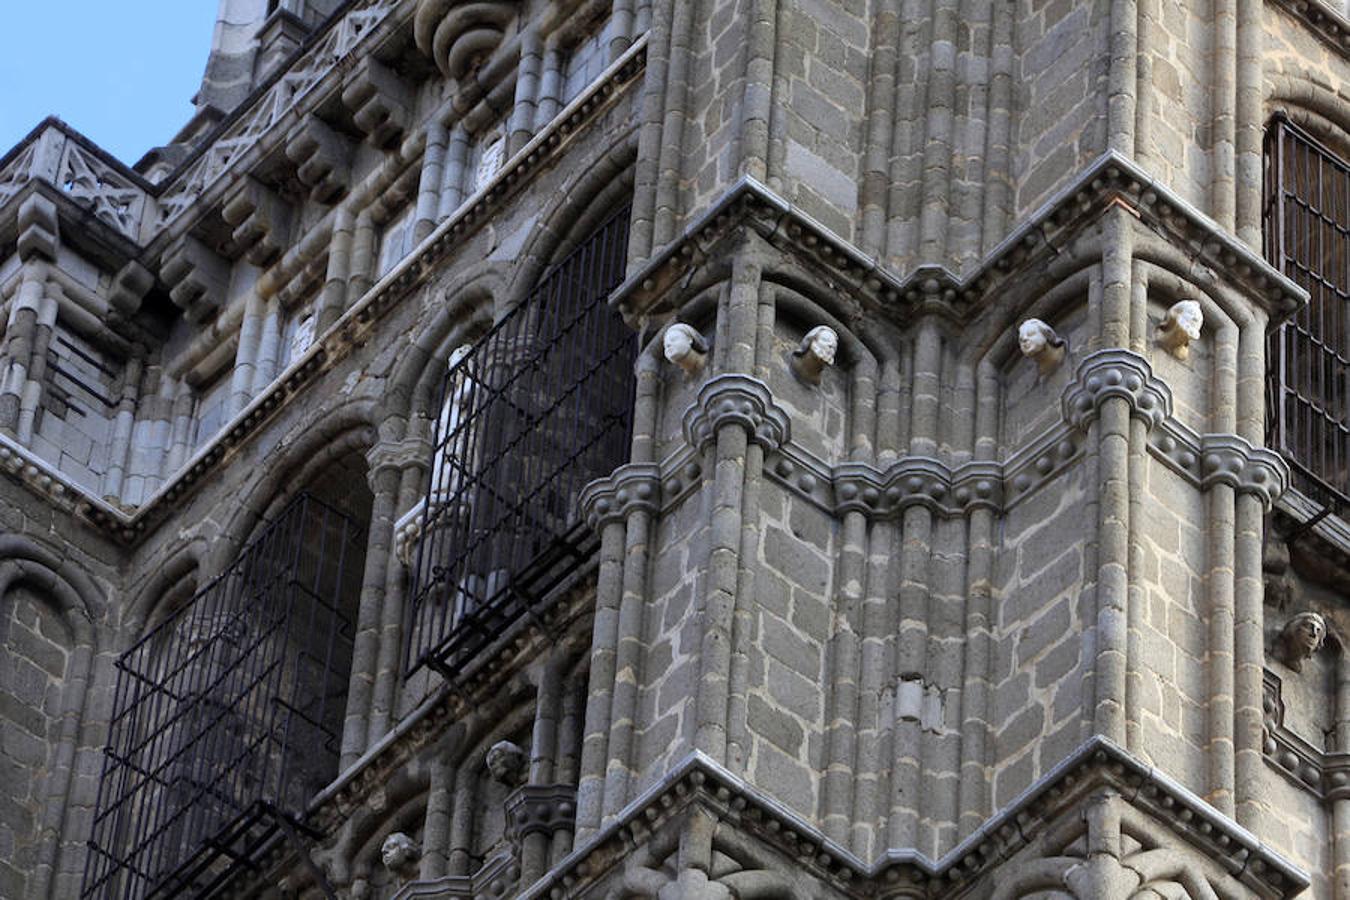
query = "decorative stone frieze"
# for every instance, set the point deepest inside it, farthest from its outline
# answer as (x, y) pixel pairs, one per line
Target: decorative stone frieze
(739, 400)
(261, 221)
(321, 156)
(630, 487)
(916, 481)
(1116, 373)
(380, 102)
(540, 809)
(197, 278)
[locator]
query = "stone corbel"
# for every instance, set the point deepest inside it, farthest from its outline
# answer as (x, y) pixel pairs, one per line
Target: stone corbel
(459, 36)
(197, 278)
(39, 230)
(129, 287)
(380, 102)
(739, 400)
(628, 488)
(540, 809)
(320, 155)
(261, 221)
(1116, 373)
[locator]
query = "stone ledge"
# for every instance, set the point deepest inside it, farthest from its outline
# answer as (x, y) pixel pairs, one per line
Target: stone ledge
(1097, 763)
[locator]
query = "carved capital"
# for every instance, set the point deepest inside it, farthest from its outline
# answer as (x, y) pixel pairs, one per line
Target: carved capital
(1116, 373)
(630, 487)
(1207, 460)
(736, 400)
(540, 809)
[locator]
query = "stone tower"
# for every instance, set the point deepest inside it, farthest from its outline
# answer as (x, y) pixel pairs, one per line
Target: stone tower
(634, 448)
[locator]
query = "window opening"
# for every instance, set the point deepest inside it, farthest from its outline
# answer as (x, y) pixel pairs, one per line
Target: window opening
(1307, 236)
(537, 408)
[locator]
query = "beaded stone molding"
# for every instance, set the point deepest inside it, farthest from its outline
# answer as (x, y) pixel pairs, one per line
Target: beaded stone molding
(1325, 775)
(1203, 460)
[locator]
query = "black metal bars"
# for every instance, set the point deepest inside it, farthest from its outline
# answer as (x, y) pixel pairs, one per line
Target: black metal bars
(534, 410)
(227, 715)
(1307, 235)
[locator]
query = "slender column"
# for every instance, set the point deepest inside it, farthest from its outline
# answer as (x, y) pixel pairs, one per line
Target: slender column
(1113, 524)
(18, 347)
(430, 183)
(333, 300)
(668, 206)
(1121, 77)
(604, 644)
(1223, 95)
(549, 103)
(757, 91)
(937, 153)
(621, 29)
(363, 260)
(383, 710)
(37, 367)
(460, 857)
(998, 142)
(250, 332)
(1250, 774)
(880, 103)
(523, 114)
(1249, 114)
(268, 364)
(628, 665)
(356, 735)
(1340, 807)
(456, 172)
(123, 422)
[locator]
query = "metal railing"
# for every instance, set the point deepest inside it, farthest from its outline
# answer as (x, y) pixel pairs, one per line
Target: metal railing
(1307, 236)
(227, 715)
(537, 408)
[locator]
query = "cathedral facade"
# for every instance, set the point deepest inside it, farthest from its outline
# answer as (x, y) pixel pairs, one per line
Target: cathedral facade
(696, 450)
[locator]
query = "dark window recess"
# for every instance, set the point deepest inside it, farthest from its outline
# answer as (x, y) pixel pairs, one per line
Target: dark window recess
(227, 716)
(540, 406)
(1307, 235)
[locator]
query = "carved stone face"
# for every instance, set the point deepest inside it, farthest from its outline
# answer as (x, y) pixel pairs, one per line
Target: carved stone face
(823, 343)
(1033, 336)
(398, 852)
(506, 763)
(1189, 318)
(678, 342)
(1302, 636)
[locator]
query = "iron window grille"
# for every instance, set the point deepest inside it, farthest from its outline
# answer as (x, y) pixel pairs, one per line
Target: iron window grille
(537, 408)
(227, 715)
(1307, 235)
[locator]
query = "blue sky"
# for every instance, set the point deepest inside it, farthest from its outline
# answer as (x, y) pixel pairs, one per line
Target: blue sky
(123, 72)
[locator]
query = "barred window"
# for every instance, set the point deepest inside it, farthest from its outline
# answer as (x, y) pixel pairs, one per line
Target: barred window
(1307, 236)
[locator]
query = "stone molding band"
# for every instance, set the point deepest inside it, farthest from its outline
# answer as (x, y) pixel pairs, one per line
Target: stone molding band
(740, 400)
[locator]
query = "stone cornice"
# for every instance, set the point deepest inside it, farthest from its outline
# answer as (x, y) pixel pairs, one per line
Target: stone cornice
(1098, 763)
(352, 328)
(1322, 19)
(934, 289)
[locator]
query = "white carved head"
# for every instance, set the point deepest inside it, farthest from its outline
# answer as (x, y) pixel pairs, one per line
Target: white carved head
(1182, 325)
(506, 763)
(816, 351)
(1302, 636)
(684, 347)
(398, 853)
(1039, 342)
(457, 355)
